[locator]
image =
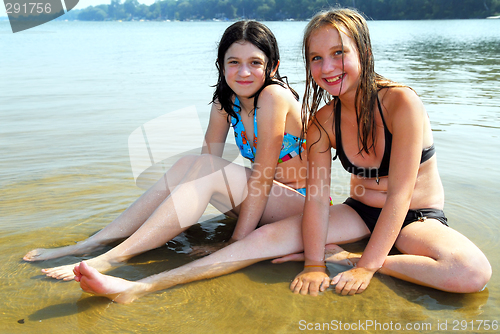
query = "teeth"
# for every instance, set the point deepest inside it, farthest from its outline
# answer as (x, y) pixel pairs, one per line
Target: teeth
(334, 79)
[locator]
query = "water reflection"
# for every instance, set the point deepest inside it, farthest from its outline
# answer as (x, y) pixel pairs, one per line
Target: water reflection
(431, 299)
(444, 62)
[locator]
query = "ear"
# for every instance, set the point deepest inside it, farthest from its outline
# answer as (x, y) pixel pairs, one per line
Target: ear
(273, 72)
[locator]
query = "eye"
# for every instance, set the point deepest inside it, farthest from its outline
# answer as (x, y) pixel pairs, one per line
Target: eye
(338, 53)
(257, 63)
(315, 58)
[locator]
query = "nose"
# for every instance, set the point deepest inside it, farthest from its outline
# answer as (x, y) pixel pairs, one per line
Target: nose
(328, 65)
(244, 70)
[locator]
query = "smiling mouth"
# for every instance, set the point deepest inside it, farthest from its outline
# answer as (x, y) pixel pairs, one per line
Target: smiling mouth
(334, 79)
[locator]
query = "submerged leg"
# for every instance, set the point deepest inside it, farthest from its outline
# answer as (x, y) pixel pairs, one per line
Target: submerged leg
(435, 260)
(267, 242)
(126, 223)
(333, 254)
(183, 208)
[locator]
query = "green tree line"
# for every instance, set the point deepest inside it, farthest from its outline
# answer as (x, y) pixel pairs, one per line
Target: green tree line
(272, 10)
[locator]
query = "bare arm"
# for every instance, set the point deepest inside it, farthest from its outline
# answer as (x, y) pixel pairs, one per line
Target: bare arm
(316, 210)
(406, 120)
(271, 117)
(216, 134)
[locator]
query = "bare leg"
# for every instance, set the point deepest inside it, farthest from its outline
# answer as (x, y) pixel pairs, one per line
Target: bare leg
(434, 255)
(98, 284)
(333, 254)
(253, 248)
(183, 208)
(438, 257)
(267, 242)
(128, 222)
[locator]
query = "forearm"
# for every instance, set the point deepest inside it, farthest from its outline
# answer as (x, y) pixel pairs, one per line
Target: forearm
(314, 233)
(252, 207)
(317, 209)
(385, 233)
(213, 148)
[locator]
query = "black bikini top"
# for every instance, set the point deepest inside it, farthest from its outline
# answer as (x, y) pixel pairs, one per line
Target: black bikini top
(371, 172)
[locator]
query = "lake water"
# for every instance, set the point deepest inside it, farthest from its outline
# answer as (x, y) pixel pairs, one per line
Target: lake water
(71, 93)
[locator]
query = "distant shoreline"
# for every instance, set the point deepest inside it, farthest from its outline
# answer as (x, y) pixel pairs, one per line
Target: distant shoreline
(6, 19)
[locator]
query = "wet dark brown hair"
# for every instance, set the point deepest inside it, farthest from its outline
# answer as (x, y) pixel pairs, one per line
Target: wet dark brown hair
(259, 35)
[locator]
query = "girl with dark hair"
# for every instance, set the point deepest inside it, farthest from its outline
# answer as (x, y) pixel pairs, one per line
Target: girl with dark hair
(251, 97)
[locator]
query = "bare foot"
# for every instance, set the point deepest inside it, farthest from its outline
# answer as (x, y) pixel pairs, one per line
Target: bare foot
(66, 272)
(333, 254)
(336, 254)
(41, 254)
(114, 288)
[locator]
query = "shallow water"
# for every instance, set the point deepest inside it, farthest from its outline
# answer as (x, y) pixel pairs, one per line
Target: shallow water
(71, 93)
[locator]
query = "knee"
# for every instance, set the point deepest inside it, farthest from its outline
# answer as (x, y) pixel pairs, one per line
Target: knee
(184, 162)
(180, 167)
(480, 273)
(472, 274)
(206, 164)
(265, 234)
(193, 166)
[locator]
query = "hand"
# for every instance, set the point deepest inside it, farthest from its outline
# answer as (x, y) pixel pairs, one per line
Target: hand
(310, 280)
(353, 281)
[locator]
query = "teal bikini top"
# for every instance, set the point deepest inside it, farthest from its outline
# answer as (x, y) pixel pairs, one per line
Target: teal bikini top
(290, 147)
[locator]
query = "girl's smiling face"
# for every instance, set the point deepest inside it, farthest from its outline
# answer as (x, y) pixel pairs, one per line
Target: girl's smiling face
(245, 68)
(334, 61)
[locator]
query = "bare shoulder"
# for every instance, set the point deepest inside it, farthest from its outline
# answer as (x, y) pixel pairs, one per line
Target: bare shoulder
(396, 98)
(402, 103)
(217, 110)
(216, 105)
(277, 93)
(280, 101)
(325, 113)
(320, 128)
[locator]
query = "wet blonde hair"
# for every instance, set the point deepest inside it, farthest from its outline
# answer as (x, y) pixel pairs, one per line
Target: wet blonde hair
(354, 25)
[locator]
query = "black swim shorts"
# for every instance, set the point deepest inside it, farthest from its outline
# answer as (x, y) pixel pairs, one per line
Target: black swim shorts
(370, 214)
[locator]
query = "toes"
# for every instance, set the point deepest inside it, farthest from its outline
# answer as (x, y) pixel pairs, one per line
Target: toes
(31, 256)
(65, 273)
(86, 270)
